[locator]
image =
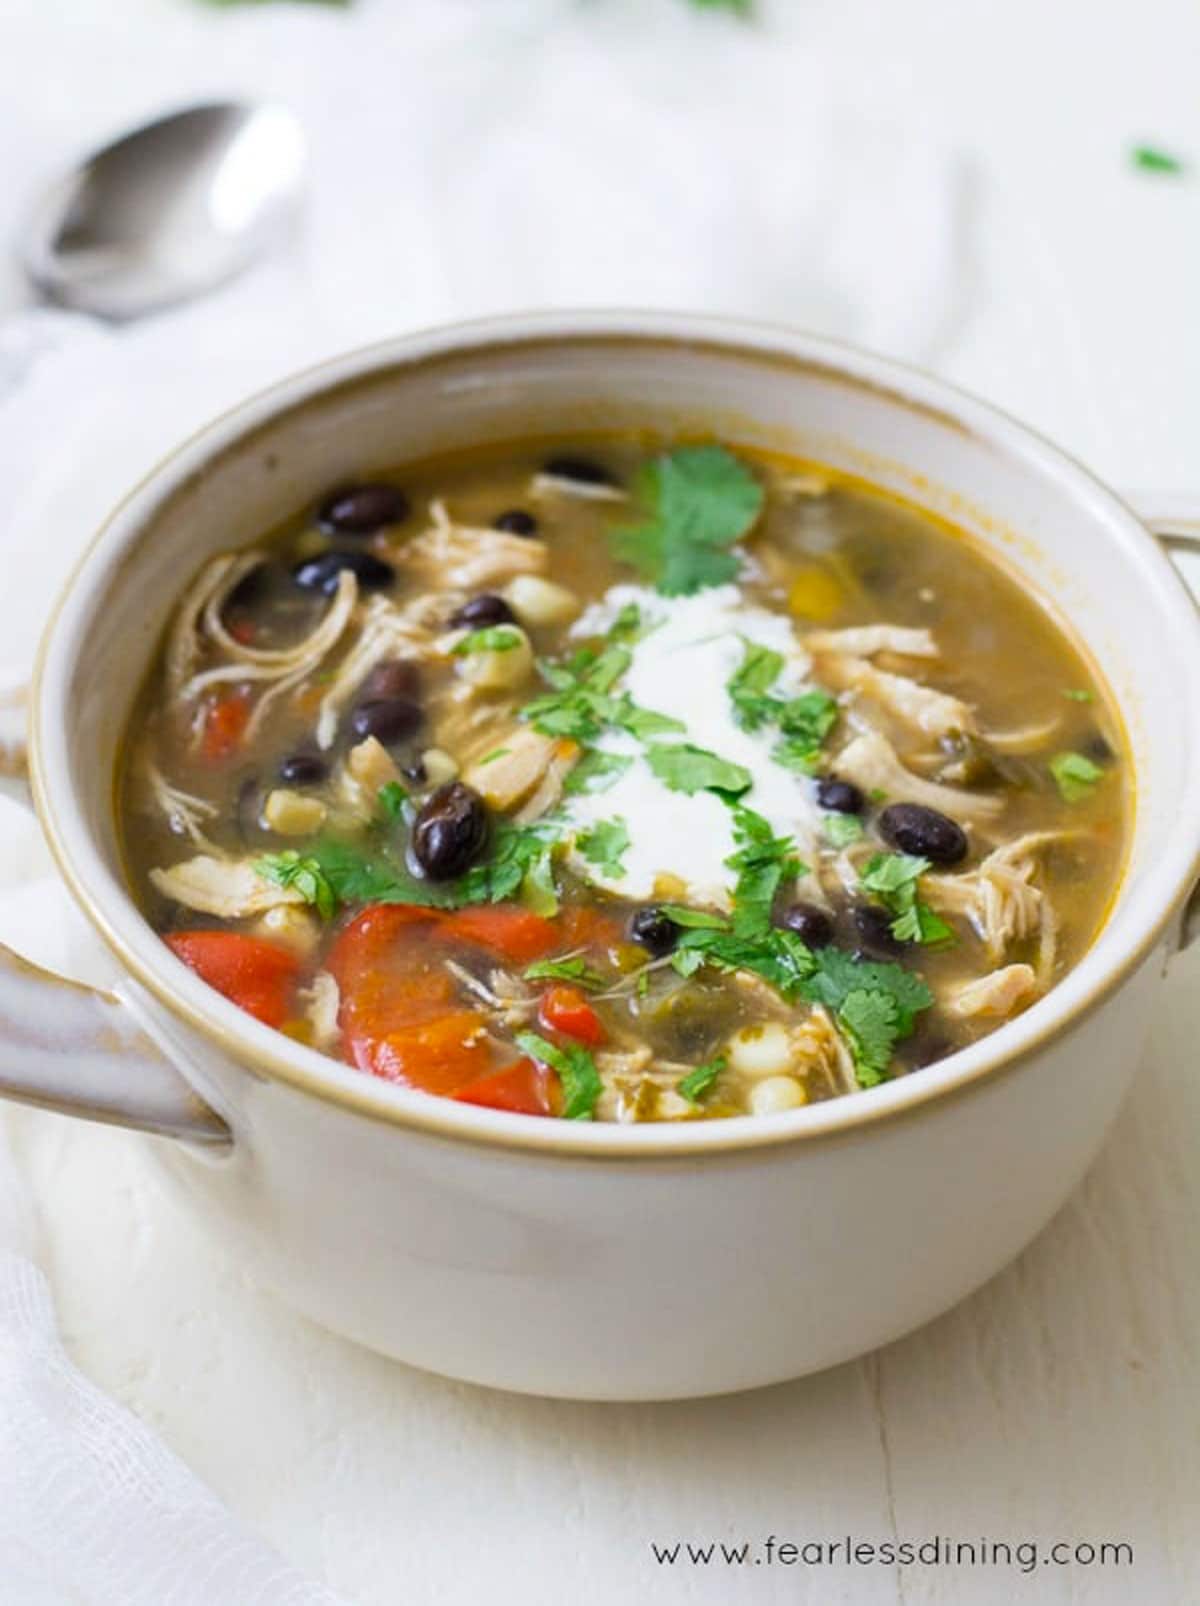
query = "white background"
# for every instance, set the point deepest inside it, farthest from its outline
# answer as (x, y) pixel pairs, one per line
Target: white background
(1062, 1401)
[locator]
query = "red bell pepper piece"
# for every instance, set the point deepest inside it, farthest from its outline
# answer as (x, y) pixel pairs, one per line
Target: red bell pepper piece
(565, 1009)
(224, 726)
(522, 1087)
(258, 976)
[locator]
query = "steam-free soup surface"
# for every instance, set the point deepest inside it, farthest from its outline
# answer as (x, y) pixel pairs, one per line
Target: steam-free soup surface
(623, 782)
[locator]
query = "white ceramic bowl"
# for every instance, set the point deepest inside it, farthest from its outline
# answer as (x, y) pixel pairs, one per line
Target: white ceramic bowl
(584, 1260)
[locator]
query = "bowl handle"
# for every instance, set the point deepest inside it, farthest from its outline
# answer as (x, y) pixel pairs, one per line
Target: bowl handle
(1175, 521)
(80, 1051)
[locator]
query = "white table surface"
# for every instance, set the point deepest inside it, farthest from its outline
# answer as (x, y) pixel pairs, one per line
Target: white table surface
(1060, 1402)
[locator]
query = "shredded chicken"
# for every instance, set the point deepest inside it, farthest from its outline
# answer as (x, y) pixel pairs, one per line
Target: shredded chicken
(321, 1001)
(995, 995)
(870, 761)
(819, 1049)
(468, 556)
(865, 641)
(230, 888)
(548, 485)
(1028, 739)
(183, 810)
(183, 647)
(285, 667)
(933, 713)
(1000, 899)
(385, 631)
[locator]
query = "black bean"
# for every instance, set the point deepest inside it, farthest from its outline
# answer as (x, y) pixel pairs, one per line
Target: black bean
(450, 831)
(303, 769)
(913, 828)
(811, 924)
(362, 509)
(517, 522)
(391, 720)
(582, 469)
(393, 677)
(843, 797)
(321, 573)
(484, 609)
(656, 931)
(873, 928)
(1097, 749)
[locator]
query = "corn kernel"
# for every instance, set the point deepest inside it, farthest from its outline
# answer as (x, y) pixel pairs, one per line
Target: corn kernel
(815, 594)
(292, 814)
(774, 1094)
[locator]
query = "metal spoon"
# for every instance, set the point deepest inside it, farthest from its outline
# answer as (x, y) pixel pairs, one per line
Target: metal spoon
(168, 212)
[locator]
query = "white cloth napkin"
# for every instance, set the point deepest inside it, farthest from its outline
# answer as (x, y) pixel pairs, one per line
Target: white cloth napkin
(470, 156)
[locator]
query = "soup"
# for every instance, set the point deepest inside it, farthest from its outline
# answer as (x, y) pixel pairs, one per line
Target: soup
(623, 781)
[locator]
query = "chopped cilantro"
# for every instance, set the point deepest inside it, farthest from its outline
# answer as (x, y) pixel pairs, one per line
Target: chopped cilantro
(763, 862)
(580, 703)
(581, 1084)
(875, 1004)
(1079, 694)
(304, 875)
(490, 758)
(1149, 159)
(605, 845)
(685, 768)
(842, 829)
(493, 638)
(391, 798)
(693, 919)
(596, 771)
(575, 969)
(805, 722)
(701, 500)
(778, 956)
(748, 687)
(696, 1083)
(870, 1023)
(893, 877)
(1074, 775)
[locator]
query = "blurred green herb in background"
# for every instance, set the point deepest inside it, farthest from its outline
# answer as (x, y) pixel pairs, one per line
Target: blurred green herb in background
(1149, 159)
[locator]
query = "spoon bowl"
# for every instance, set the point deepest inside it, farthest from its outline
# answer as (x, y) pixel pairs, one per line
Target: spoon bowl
(167, 212)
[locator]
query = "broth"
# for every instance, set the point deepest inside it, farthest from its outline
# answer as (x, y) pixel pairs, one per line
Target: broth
(623, 781)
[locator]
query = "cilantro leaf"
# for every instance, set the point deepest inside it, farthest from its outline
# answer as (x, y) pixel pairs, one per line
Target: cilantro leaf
(696, 1083)
(357, 876)
(778, 956)
(804, 721)
(701, 500)
(894, 877)
(842, 829)
(492, 638)
(760, 668)
(581, 1084)
(596, 771)
(685, 768)
(870, 1021)
(575, 969)
(1075, 776)
(1148, 158)
(763, 862)
(391, 798)
(837, 973)
(605, 845)
(875, 1004)
(693, 919)
(304, 875)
